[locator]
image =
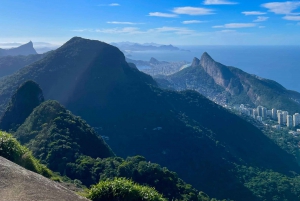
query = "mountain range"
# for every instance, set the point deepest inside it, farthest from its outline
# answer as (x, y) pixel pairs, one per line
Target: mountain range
(230, 85)
(208, 146)
(67, 145)
(128, 46)
(151, 62)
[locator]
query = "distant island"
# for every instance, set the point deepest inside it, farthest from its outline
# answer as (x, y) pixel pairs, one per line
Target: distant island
(129, 46)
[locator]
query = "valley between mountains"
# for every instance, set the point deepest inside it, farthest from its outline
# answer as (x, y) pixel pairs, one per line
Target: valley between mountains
(164, 132)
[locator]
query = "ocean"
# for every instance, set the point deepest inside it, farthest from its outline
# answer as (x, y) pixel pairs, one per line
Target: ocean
(278, 63)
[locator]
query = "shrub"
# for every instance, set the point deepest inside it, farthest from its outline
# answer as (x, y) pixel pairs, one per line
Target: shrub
(123, 189)
(11, 149)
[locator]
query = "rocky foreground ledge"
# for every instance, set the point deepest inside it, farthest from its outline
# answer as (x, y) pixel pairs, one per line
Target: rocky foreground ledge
(19, 184)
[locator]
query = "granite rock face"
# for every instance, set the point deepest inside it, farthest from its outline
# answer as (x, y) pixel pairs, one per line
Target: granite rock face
(196, 62)
(221, 74)
(19, 184)
(229, 85)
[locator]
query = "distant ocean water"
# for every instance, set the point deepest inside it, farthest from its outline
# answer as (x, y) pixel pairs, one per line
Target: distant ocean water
(279, 63)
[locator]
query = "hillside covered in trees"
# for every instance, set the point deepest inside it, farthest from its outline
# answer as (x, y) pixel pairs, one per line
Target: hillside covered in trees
(206, 145)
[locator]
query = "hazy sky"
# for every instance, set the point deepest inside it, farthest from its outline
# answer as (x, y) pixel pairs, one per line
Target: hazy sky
(178, 22)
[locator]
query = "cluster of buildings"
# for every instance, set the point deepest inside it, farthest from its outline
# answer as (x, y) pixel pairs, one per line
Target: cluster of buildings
(261, 113)
(162, 68)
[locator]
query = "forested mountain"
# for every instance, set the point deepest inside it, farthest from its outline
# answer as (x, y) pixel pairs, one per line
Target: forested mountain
(58, 138)
(67, 145)
(230, 85)
(25, 49)
(28, 96)
(10, 64)
(209, 147)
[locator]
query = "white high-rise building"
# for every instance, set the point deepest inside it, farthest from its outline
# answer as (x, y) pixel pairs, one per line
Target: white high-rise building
(296, 119)
(280, 118)
(264, 112)
(259, 111)
(254, 113)
(269, 113)
(285, 114)
(289, 121)
(274, 114)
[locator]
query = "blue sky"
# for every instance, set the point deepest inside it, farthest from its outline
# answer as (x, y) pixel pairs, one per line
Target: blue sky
(180, 22)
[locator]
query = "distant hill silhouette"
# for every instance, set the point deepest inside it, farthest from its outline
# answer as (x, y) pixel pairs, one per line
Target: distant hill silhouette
(28, 96)
(25, 49)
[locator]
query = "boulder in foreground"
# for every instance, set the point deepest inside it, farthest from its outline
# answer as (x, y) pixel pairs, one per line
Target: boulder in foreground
(19, 184)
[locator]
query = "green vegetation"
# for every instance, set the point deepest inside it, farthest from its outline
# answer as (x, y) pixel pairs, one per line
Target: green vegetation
(137, 169)
(10, 64)
(270, 185)
(183, 131)
(11, 149)
(267, 92)
(123, 189)
(56, 137)
(282, 137)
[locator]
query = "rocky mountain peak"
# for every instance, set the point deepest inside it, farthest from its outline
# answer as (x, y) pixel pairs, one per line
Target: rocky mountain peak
(196, 62)
(29, 43)
(206, 59)
(28, 96)
(25, 49)
(221, 74)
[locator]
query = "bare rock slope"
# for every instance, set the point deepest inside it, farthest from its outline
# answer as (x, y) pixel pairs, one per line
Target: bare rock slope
(19, 184)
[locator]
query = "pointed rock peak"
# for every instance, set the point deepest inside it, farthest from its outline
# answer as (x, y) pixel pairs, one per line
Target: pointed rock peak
(30, 43)
(25, 49)
(28, 46)
(206, 60)
(196, 62)
(28, 96)
(206, 57)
